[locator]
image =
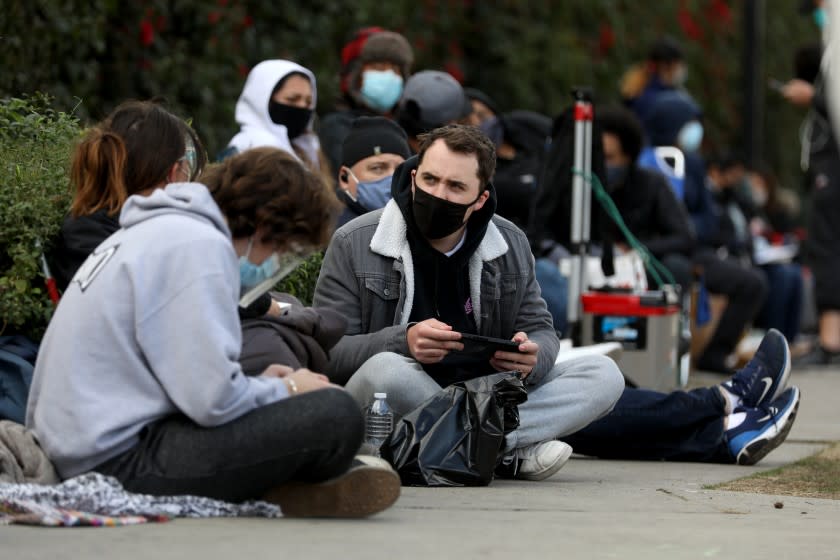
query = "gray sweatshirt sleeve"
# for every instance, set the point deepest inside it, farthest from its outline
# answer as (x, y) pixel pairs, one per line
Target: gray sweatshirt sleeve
(192, 342)
(339, 288)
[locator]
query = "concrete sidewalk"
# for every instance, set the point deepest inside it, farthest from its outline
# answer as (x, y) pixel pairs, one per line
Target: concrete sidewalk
(590, 509)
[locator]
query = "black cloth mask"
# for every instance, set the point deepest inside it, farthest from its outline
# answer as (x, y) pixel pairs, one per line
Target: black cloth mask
(295, 119)
(436, 217)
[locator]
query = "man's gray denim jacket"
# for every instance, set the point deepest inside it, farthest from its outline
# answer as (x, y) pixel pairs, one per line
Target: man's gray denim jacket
(368, 276)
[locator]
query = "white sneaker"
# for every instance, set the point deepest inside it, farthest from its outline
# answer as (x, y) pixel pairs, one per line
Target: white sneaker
(541, 460)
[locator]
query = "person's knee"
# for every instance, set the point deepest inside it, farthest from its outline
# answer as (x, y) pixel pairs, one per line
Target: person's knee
(345, 416)
(605, 380)
(754, 284)
(386, 372)
(609, 380)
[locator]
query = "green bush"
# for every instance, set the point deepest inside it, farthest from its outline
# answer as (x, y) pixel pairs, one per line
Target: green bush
(301, 282)
(35, 146)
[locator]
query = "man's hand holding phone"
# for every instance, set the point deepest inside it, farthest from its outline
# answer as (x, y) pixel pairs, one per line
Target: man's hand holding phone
(431, 340)
(523, 361)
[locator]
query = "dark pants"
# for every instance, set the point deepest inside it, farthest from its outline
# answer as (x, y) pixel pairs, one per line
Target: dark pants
(782, 309)
(311, 437)
(824, 233)
(554, 289)
(745, 289)
(648, 425)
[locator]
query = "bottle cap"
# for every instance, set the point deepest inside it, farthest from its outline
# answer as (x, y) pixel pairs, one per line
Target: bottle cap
(380, 395)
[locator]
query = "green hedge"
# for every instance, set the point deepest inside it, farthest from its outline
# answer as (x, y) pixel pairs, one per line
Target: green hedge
(35, 146)
(525, 54)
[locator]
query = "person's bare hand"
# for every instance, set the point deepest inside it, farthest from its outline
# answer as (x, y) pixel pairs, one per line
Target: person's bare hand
(430, 340)
(274, 310)
(302, 380)
(523, 361)
(798, 92)
(276, 370)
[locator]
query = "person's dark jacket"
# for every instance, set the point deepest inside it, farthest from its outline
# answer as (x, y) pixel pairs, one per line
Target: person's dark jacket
(669, 112)
(301, 337)
(733, 231)
(551, 215)
(823, 145)
(77, 239)
(653, 214)
(516, 179)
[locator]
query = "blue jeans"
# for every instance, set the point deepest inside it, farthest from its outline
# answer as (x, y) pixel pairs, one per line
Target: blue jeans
(554, 287)
(648, 425)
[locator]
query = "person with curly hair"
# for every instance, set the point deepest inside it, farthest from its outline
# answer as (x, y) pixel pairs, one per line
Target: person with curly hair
(138, 375)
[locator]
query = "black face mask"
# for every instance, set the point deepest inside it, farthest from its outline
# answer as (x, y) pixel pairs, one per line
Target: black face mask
(295, 119)
(435, 217)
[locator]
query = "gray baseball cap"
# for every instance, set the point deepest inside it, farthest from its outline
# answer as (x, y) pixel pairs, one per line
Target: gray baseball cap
(431, 99)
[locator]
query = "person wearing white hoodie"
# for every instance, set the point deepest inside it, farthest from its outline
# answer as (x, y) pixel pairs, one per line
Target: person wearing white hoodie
(277, 108)
(138, 374)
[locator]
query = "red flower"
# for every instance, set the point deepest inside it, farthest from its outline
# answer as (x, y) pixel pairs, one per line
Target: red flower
(606, 39)
(455, 71)
(719, 11)
(243, 70)
(147, 33)
(214, 17)
(247, 21)
(223, 3)
(689, 25)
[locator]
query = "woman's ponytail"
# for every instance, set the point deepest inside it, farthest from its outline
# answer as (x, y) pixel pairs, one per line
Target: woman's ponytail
(98, 173)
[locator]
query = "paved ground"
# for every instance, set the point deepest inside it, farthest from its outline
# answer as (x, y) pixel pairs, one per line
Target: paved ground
(590, 509)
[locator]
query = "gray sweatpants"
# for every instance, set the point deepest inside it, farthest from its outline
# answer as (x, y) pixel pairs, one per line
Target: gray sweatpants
(571, 396)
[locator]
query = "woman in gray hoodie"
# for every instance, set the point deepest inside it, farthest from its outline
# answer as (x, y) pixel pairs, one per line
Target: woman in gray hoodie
(138, 374)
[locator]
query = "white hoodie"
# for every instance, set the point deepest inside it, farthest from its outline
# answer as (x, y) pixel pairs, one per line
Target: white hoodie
(147, 328)
(256, 127)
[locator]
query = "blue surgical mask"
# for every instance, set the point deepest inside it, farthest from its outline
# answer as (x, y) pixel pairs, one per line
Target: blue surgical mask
(373, 194)
(381, 89)
(251, 274)
(690, 137)
(820, 17)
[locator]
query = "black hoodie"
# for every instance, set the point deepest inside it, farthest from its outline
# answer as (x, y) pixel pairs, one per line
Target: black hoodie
(441, 283)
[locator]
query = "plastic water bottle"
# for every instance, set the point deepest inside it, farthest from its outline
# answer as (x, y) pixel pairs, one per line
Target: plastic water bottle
(378, 423)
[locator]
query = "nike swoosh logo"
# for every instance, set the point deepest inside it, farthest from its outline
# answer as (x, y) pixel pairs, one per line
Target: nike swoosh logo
(768, 382)
(766, 418)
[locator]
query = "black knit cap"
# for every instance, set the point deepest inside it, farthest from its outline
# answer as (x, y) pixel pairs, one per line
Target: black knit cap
(666, 49)
(371, 136)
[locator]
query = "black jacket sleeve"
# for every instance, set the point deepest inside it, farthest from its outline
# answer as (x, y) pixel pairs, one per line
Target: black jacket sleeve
(676, 234)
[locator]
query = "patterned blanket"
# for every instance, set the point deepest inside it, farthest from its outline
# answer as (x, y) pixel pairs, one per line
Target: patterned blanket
(93, 499)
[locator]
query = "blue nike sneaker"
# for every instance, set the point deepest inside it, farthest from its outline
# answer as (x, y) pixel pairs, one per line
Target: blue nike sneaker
(765, 376)
(763, 429)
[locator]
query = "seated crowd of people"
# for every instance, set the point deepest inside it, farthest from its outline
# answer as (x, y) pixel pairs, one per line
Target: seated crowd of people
(423, 195)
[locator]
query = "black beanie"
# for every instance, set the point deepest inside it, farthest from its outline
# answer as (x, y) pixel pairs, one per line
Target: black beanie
(371, 136)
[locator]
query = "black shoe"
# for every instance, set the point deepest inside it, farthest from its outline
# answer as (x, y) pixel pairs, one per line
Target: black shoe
(818, 356)
(369, 486)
